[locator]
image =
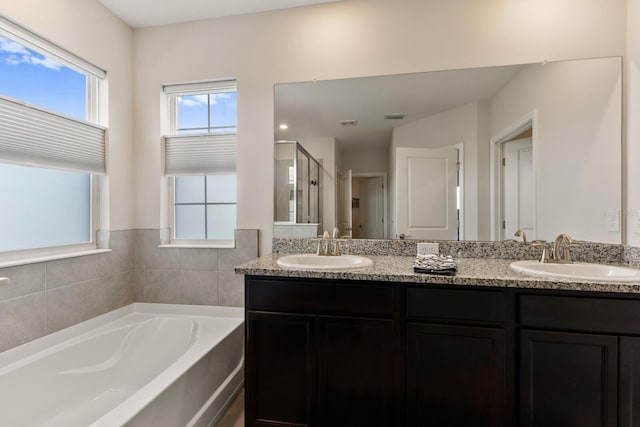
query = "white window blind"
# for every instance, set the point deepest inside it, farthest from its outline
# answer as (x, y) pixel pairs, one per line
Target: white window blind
(201, 87)
(28, 39)
(34, 136)
(200, 154)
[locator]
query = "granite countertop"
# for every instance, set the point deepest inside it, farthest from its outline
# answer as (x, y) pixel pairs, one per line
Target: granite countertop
(471, 272)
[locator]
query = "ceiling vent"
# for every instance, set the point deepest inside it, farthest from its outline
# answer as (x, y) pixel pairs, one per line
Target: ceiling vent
(395, 116)
(349, 122)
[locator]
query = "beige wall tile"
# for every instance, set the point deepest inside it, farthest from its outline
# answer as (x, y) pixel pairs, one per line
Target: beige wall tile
(121, 257)
(230, 289)
(23, 280)
(246, 249)
(199, 287)
(199, 259)
(71, 304)
(117, 290)
(22, 320)
(162, 286)
(72, 270)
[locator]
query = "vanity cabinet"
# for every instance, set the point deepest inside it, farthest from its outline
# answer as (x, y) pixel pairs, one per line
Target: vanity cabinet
(455, 376)
(568, 379)
(579, 360)
(320, 354)
(456, 357)
(332, 353)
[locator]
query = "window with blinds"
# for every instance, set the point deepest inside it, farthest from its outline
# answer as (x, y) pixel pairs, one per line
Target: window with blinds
(51, 142)
(200, 161)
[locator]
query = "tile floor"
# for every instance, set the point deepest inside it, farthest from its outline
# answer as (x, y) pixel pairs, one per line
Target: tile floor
(234, 417)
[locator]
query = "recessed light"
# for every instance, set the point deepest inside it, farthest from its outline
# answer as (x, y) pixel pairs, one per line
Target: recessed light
(284, 126)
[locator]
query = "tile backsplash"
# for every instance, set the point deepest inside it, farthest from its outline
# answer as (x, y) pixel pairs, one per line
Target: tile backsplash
(191, 275)
(45, 297)
(586, 251)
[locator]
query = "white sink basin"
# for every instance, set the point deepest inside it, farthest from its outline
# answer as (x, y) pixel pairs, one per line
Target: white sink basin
(318, 262)
(578, 270)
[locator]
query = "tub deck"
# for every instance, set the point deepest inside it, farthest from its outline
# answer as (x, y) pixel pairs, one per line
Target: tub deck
(127, 367)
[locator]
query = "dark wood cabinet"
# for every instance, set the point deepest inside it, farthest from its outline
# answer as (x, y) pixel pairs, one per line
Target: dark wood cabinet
(455, 376)
(334, 353)
(281, 367)
(629, 388)
(568, 379)
(355, 372)
(332, 366)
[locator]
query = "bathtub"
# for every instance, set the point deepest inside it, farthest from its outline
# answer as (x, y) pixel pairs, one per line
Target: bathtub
(141, 365)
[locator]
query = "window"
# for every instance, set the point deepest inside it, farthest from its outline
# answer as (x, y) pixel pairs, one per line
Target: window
(200, 155)
(51, 147)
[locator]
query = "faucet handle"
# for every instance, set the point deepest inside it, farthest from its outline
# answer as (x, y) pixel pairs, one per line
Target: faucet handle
(544, 257)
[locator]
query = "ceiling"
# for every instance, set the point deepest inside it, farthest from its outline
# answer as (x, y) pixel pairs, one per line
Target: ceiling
(149, 13)
(316, 109)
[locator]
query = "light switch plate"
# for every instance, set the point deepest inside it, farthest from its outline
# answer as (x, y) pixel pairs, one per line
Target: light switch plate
(635, 221)
(428, 248)
(613, 220)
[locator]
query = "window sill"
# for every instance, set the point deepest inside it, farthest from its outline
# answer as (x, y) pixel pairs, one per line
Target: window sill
(196, 246)
(50, 257)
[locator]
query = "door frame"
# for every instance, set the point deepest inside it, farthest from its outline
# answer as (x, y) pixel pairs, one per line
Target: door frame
(385, 195)
(529, 120)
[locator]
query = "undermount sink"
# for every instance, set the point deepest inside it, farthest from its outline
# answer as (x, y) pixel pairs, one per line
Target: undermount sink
(578, 270)
(321, 262)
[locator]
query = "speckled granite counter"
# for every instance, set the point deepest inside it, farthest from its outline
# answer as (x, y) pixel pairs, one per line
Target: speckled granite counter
(471, 272)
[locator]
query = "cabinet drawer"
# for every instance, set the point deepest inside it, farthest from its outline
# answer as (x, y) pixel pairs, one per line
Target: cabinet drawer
(575, 313)
(303, 296)
(456, 304)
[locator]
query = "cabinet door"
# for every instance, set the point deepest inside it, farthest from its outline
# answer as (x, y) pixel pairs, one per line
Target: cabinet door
(568, 380)
(629, 408)
(281, 369)
(455, 376)
(355, 372)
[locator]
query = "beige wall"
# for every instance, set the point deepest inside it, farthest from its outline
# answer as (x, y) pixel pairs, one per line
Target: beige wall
(577, 168)
(338, 40)
(632, 104)
(94, 34)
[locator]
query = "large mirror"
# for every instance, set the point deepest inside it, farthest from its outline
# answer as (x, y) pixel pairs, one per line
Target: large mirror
(472, 154)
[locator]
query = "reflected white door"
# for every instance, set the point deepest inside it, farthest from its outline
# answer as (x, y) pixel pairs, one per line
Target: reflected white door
(426, 204)
(518, 200)
(372, 208)
(344, 203)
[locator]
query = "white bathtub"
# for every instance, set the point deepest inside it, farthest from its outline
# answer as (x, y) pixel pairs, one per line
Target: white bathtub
(141, 365)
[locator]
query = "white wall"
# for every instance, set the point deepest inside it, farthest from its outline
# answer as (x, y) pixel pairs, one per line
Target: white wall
(449, 128)
(632, 103)
(365, 161)
(339, 40)
(577, 148)
(88, 30)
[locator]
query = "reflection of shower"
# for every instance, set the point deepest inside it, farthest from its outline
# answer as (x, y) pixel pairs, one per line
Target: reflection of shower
(297, 184)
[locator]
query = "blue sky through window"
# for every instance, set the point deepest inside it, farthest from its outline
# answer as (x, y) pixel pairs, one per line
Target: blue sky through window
(31, 77)
(197, 112)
